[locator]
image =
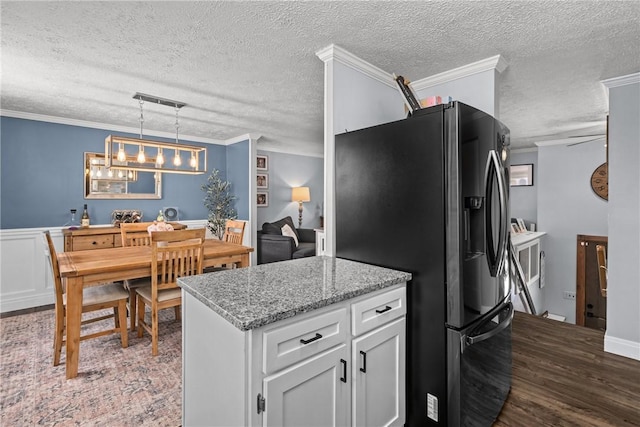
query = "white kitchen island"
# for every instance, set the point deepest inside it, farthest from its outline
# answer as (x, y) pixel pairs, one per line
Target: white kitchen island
(314, 341)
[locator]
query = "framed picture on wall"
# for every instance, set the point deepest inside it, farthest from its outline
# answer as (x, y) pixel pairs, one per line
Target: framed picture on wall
(521, 175)
(262, 163)
(263, 200)
(262, 180)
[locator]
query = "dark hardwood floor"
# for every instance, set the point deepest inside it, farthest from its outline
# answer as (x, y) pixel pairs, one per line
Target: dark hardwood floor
(563, 377)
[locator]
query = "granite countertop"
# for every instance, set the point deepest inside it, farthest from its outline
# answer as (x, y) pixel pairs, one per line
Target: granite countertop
(255, 296)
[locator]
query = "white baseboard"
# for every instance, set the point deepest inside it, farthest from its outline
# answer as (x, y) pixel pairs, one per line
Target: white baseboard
(622, 347)
(12, 303)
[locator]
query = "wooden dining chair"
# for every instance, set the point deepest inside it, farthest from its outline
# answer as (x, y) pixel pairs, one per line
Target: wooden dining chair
(233, 231)
(93, 299)
(135, 234)
(174, 254)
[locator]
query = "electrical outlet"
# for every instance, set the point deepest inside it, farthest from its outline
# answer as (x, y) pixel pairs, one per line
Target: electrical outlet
(569, 295)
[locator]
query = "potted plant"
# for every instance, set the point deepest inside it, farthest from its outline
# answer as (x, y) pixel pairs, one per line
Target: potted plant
(219, 202)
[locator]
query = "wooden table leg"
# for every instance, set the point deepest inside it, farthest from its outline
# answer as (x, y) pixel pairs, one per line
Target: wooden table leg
(244, 260)
(74, 318)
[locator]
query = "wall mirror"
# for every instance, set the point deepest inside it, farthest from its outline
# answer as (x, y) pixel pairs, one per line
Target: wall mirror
(103, 183)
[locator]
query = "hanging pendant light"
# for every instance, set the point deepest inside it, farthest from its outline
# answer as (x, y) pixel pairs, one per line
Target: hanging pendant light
(159, 158)
(141, 158)
(116, 148)
(122, 156)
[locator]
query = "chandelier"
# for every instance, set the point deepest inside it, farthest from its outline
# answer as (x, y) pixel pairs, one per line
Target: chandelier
(124, 153)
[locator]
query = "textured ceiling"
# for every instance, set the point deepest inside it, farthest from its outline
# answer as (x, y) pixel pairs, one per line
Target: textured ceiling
(250, 67)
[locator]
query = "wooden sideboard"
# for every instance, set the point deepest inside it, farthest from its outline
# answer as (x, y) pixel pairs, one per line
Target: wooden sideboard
(97, 237)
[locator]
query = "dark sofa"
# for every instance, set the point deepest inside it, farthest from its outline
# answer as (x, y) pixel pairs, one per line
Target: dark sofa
(273, 246)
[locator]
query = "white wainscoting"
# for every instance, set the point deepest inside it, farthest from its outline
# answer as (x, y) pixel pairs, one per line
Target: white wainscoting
(26, 280)
(25, 276)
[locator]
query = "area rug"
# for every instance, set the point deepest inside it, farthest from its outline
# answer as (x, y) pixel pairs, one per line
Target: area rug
(115, 386)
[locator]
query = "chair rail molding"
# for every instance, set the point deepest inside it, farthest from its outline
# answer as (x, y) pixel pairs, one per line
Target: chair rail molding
(25, 277)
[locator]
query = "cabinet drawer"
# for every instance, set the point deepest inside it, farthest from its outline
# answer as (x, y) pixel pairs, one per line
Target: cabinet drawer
(100, 241)
(378, 310)
(286, 345)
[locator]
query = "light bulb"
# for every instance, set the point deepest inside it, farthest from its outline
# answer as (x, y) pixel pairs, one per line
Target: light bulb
(122, 156)
(160, 158)
(99, 173)
(110, 173)
(91, 173)
(141, 157)
(130, 175)
(177, 161)
(193, 162)
(120, 174)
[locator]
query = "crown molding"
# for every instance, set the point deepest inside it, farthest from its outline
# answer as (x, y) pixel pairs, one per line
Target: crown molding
(102, 126)
(240, 138)
(269, 149)
(524, 150)
(570, 141)
(621, 81)
(347, 58)
(494, 63)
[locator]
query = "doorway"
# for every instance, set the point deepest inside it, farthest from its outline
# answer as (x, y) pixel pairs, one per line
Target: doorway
(591, 305)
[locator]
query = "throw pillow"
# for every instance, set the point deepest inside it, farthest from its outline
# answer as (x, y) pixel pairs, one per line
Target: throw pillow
(268, 228)
(286, 220)
(288, 231)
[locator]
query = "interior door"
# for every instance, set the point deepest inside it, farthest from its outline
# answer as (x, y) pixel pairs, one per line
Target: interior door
(591, 305)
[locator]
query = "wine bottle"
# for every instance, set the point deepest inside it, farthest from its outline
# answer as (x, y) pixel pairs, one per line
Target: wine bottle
(84, 220)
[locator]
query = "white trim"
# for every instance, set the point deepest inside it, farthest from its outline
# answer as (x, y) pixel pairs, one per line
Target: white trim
(570, 141)
(494, 63)
(524, 150)
(268, 148)
(621, 347)
(329, 153)
(102, 126)
(240, 138)
(621, 81)
(347, 58)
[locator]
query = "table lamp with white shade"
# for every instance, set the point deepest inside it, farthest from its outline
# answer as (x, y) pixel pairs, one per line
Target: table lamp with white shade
(300, 195)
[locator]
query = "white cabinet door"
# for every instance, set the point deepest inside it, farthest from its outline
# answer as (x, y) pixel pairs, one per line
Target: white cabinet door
(379, 376)
(312, 393)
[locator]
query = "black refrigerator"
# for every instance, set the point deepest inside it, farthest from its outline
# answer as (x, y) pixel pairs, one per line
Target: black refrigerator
(429, 195)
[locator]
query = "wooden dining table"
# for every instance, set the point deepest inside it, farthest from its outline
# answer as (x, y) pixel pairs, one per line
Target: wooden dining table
(81, 269)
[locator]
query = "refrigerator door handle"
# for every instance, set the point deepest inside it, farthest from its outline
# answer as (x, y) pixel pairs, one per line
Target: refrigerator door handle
(469, 340)
(493, 172)
(503, 250)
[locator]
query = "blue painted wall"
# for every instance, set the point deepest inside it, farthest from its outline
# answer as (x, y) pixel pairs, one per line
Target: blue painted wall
(286, 171)
(41, 176)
